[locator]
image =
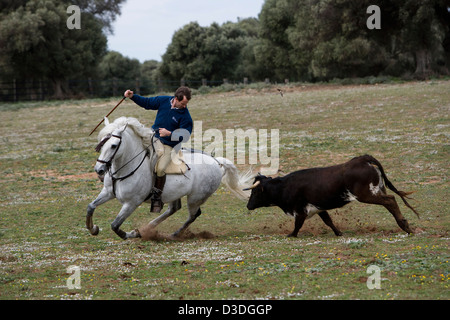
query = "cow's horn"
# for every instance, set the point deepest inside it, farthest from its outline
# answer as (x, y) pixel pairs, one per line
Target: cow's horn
(253, 186)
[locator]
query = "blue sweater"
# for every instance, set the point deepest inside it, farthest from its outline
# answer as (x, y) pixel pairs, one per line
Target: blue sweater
(166, 117)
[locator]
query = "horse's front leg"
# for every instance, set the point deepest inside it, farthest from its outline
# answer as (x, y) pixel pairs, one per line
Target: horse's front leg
(125, 212)
(103, 197)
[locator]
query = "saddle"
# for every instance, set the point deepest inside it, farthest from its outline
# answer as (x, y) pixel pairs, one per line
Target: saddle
(177, 165)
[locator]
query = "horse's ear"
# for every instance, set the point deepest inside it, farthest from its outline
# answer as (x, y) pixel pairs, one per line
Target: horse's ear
(106, 121)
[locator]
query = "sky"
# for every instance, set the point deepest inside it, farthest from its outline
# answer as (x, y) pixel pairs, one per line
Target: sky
(145, 27)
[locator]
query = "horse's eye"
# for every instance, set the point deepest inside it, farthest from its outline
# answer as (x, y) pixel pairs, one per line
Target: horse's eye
(113, 146)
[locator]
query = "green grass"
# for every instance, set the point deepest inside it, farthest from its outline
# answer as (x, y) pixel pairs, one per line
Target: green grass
(46, 163)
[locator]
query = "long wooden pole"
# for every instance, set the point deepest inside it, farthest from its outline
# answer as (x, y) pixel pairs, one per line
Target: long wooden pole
(107, 115)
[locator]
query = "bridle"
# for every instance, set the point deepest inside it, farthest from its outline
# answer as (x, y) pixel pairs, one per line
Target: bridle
(109, 162)
(100, 145)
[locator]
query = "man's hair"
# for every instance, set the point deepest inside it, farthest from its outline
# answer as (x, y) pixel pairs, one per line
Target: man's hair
(183, 92)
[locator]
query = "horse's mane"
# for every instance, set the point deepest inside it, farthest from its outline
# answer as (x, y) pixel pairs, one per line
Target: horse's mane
(143, 132)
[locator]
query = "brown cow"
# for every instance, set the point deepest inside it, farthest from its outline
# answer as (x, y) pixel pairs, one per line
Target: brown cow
(304, 193)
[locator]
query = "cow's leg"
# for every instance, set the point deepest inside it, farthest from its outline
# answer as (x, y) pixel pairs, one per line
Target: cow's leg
(392, 206)
(327, 219)
(389, 202)
(299, 219)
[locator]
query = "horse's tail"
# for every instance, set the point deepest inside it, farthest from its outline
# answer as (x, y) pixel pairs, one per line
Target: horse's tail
(234, 180)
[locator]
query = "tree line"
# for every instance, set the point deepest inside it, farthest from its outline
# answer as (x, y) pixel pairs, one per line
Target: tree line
(299, 40)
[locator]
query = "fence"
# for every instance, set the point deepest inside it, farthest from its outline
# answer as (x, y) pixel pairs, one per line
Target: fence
(36, 90)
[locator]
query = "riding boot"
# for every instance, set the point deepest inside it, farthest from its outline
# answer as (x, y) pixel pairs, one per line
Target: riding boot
(157, 203)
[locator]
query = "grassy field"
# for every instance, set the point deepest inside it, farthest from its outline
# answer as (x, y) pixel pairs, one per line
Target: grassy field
(47, 181)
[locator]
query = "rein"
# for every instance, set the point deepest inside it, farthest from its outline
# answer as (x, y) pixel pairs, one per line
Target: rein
(109, 162)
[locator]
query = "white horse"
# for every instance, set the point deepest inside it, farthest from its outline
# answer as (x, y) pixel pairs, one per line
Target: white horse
(126, 162)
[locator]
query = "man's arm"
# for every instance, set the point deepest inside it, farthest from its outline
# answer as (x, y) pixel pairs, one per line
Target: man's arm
(146, 103)
(128, 94)
(164, 132)
(185, 130)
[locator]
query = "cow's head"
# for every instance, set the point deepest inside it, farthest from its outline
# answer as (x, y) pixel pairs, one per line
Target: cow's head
(259, 197)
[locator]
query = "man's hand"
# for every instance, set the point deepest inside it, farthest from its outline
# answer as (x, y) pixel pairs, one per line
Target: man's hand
(128, 94)
(164, 132)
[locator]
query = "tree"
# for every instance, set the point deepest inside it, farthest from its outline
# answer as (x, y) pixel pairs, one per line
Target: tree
(103, 10)
(115, 65)
(36, 42)
(324, 39)
(273, 49)
(212, 53)
(118, 72)
(306, 40)
(184, 48)
(344, 46)
(442, 9)
(149, 73)
(423, 33)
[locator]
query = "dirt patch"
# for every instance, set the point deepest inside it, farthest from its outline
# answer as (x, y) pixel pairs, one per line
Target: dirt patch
(432, 180)
(282, 89)
(151, 234)
(57, 175)
(83, 176)
(188, 234)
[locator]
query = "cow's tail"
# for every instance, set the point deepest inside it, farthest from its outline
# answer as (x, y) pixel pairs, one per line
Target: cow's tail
(234, 180)
(402, 194)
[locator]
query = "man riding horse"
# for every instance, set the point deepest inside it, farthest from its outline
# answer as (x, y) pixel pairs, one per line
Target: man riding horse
(172, 115)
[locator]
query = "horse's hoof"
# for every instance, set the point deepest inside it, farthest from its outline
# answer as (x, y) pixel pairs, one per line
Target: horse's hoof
(134, 234)
(175, 236)
(95, 230)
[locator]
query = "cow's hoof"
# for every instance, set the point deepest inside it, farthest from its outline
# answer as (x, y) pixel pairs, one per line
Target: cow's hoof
(291, 235)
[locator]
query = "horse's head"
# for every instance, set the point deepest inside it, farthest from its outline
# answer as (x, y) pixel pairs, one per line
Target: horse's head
(120, 147)
(109, 148)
